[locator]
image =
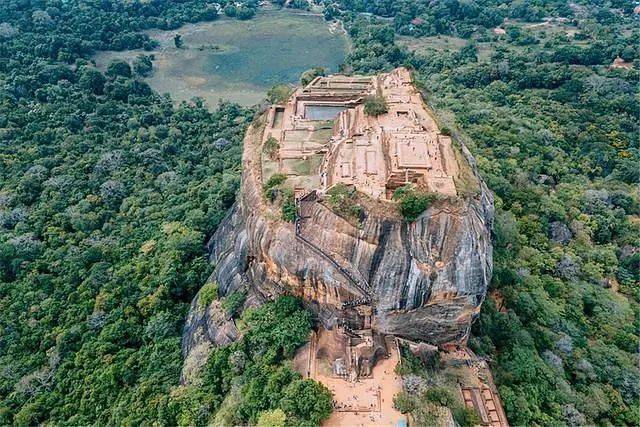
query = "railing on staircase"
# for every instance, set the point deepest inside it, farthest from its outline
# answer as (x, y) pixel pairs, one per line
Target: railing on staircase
(342, 323)
(362, 285)
(356, 303)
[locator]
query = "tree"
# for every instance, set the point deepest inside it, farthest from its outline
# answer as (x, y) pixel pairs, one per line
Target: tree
(278, 94)
(243, 12)
(271, 148)
(142, 65)
(413, 201)
(177, 41)
(375, 105)
(92, 80)
(208, 293)
(119, 68)
(403, 402)
(309, 75)
(271, 187)
(343, 200)
(307, 400)
(234, 302)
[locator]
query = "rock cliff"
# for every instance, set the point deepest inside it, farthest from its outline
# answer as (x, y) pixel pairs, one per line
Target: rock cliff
(425, 280)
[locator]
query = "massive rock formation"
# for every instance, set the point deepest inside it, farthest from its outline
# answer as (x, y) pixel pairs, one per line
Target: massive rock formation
(423, 280)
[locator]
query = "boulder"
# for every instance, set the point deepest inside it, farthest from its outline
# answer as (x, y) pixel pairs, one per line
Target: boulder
(560, 233)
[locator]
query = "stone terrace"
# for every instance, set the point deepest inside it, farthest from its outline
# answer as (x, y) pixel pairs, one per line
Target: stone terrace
(325, 138)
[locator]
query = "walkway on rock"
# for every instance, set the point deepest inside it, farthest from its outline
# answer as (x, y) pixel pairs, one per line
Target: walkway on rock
(361, 284)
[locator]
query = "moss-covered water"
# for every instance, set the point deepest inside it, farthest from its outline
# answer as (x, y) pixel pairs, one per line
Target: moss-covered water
(239, 60)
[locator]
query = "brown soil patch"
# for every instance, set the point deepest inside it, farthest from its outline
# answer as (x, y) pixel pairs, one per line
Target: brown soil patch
(621, 63)
(497, 296)
(363, 402)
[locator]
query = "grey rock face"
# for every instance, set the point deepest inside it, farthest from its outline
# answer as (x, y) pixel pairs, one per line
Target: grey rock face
(560, 233)
(207, 326)
(428, 278)
(567, 268)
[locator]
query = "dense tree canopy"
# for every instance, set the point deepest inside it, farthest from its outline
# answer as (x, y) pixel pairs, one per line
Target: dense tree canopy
(107, 193)
(250, 381)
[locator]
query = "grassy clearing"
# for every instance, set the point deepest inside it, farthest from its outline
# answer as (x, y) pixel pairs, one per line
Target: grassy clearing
(443, 43)
(308, 166)
(238, 60)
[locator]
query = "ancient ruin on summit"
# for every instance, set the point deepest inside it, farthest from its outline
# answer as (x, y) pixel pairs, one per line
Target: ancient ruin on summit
(325, 137)
(372, 279)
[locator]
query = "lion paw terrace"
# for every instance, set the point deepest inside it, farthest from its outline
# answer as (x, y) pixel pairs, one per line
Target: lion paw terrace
(324, 137)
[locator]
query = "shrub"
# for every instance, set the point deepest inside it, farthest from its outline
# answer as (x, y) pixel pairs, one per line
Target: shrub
(208, 294)
(177, 41)
(142, 65)
(269, 187)
(341, 198)
(288, 205)
(432, 361)
(270, 148)
(375, 105)
(309, 75)
(272, 191)
(465, 416)
(440, 396)
(234, 302)
(403, 402)
(412, 201)
(411, 364)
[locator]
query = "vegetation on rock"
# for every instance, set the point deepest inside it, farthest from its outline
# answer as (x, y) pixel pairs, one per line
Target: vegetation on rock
(375, 105)
(342, 199)
(234, 302)
(289, 210)
(270, 148)
(271, 187)
(412, 201)
(208, 293)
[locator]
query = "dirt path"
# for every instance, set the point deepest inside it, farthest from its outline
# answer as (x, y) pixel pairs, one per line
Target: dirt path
(366, 402)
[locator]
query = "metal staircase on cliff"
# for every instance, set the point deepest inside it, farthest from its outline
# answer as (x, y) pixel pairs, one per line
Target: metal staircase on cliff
(361, 284)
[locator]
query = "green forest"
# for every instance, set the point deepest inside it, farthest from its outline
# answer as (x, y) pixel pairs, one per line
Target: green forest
(109, 193)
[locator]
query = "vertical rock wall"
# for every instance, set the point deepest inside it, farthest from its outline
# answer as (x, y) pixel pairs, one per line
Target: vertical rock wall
(428, 278)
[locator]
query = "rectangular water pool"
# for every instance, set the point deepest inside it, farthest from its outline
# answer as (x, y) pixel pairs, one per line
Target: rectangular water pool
(322, 112)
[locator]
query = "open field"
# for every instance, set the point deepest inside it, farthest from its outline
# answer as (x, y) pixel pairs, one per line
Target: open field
(238, 60)
(442, 43)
